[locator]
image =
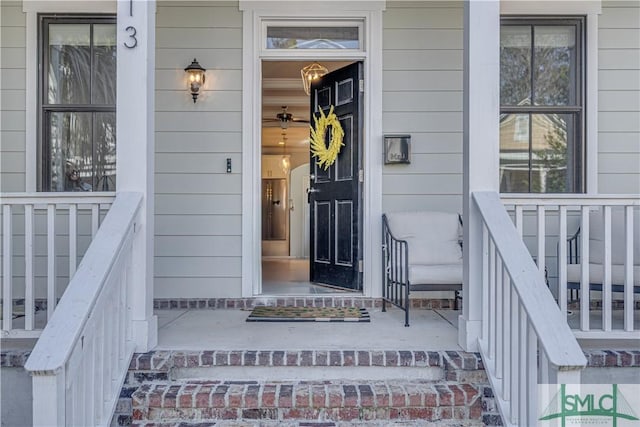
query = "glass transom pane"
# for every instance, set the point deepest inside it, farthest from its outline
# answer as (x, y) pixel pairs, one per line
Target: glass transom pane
(298, 37)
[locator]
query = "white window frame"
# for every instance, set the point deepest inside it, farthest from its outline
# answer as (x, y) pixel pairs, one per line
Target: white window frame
(32, 9)
(255, 14)
(590, 9)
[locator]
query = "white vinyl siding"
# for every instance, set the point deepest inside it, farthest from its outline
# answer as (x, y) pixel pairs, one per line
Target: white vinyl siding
(619, 98)
(12, 94)
(422, 96)
(198, 205)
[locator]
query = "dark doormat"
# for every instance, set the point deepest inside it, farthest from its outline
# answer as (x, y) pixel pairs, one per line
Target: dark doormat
(308, 314)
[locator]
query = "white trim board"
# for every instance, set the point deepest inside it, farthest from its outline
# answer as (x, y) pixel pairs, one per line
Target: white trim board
(254, 12)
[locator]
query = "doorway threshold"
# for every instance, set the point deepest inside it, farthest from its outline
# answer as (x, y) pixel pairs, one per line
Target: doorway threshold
(286, 276)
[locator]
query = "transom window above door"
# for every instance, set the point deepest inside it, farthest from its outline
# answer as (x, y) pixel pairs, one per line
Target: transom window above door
(542, 113)
(316, 35)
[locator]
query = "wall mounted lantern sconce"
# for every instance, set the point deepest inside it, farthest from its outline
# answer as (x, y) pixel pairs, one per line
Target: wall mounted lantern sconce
(310, 73)
(195, 78)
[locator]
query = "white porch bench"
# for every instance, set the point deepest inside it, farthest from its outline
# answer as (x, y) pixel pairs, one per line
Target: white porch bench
(597, 253)
(422, 251)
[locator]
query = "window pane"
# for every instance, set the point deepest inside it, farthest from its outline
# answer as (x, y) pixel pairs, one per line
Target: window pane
(71, 152)
(313, 38)
(105, 130)
(555, 73)
(515, 65)
(514, 153)
(104, 62)
(69, 64)
(552, 158)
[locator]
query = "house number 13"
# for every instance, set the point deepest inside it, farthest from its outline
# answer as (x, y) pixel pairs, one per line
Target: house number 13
(131, 30)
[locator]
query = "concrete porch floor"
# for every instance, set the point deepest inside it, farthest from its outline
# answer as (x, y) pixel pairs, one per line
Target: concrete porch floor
(228, 330)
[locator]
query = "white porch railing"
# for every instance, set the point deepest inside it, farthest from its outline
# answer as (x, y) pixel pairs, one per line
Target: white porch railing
(601, 254)
(79, 363)
(43, 236)
(525, 338)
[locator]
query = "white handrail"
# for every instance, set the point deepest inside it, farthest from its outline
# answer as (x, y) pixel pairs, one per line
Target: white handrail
(526, 334)
(35, 218)
(80, 360)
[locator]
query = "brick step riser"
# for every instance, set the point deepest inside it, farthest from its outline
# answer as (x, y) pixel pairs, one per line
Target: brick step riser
(311, 401)
(438, 398)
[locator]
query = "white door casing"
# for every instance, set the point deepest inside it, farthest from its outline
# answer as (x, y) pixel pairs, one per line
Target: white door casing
(255, 13)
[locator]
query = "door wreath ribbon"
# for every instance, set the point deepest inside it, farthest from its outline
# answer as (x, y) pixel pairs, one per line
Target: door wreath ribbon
(326, 156)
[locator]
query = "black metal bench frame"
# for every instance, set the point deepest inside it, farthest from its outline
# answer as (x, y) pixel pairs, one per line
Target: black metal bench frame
(395, 274)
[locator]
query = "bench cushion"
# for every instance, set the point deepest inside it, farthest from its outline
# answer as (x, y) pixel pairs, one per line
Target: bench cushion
(596, 274)
(432, 236)
(437, 274)
(618, 237)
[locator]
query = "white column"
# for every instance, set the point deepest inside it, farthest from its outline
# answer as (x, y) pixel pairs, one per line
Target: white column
(480, 147)
(135, 151)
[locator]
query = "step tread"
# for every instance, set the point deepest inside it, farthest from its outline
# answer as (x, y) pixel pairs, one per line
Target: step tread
(163, 361)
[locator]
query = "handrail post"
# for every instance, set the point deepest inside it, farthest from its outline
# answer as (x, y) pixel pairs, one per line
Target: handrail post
(49, 398)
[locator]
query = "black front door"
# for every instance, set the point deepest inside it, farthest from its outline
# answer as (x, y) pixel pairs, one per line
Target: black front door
(335, 193)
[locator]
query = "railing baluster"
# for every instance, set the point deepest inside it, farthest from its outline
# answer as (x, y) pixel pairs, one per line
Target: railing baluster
(541, 239)
(532, 375)
(519, 221)
(522, 372)
(562, 260)
(606, 285)
(51, 260)
(492, 306)
(498, 316)
(628, 269)
(584, 270)
(95, 219)
(29, 296)
(88, 373)
(7, 273)
(73, 239)
(506, 333)
(515, 359)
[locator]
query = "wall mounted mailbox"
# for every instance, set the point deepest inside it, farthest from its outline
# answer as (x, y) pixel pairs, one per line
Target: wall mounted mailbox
(396, 149)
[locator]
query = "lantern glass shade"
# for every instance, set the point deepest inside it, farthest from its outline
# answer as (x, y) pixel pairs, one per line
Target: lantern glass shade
(195, 78)
(311, 73)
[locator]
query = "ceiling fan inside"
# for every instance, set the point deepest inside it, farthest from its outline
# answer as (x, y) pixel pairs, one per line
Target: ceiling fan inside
(285, 118)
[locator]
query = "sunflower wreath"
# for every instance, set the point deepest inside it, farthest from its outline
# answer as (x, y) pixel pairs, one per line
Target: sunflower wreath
(326, 155)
